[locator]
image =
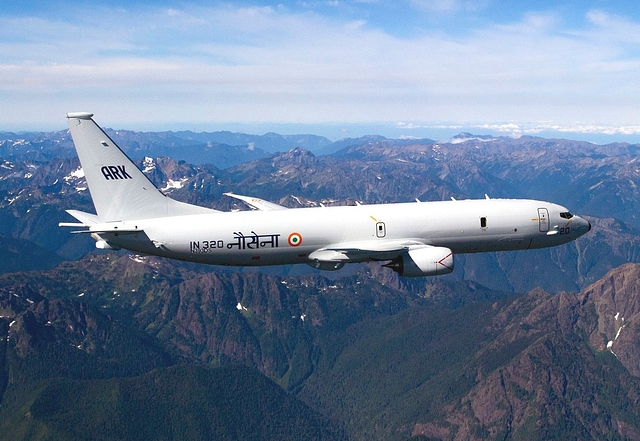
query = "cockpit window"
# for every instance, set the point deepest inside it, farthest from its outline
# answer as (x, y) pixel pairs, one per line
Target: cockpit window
(566, 215)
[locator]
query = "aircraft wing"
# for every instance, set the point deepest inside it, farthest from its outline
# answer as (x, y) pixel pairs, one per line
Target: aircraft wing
(364, 251)
(257, 203)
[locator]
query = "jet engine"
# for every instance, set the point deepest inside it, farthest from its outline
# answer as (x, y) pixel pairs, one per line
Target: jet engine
(423, 261)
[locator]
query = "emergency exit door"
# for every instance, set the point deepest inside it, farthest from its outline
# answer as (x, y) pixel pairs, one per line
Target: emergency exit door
(543, 220)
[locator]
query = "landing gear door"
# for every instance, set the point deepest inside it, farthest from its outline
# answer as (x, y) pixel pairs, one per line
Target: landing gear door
(543, 220)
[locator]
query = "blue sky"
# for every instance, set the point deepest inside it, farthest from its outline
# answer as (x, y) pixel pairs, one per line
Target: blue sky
(407, 67)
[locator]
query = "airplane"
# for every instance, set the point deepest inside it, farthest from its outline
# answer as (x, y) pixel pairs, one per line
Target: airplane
(414, 239)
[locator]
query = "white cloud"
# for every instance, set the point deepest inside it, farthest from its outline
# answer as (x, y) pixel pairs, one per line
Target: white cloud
(614, 28)
(449, 6)
(518, 129)
(272, 64)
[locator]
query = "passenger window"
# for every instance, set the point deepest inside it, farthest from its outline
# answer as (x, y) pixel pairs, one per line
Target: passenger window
(483, 222)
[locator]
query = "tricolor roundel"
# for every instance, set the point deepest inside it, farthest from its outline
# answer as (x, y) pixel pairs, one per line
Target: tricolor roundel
(294, 239)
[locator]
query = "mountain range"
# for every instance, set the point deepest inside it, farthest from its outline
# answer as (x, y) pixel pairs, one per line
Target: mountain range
(597, 181)
(113, 337)
(522, 345)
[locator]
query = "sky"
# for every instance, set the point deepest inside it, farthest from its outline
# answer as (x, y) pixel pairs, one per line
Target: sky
(402, 68)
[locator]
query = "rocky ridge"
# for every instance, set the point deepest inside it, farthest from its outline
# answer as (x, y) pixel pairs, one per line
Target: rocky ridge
(405, 359)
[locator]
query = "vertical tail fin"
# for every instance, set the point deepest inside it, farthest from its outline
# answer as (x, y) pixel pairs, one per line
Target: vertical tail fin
(120, 191)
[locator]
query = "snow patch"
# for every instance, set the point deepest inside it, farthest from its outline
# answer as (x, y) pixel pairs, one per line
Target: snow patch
(76, 174)
(171, 184)
(149, 165)
(596, 185)
(137, 258)
(239, 307)
(610, 342)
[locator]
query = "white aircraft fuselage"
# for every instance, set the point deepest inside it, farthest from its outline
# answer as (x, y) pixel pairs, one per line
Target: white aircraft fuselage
(417, 239)
(292, 236)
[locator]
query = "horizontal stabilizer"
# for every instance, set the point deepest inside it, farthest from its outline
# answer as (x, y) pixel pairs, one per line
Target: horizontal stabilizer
(86, 219)
(111, 230)
(93, 225)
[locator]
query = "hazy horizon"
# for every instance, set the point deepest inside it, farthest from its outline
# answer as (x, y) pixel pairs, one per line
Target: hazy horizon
(336, 132)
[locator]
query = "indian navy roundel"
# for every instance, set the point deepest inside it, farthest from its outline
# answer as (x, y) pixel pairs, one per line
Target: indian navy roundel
(294, 239)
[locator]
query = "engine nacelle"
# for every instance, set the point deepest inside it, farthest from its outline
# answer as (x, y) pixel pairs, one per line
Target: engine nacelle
(423, 261)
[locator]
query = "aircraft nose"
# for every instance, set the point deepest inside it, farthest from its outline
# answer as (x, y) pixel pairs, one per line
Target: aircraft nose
(585, 226)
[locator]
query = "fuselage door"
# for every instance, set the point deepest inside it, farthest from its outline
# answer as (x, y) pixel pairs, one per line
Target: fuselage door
(543, 220)
(381, 229)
